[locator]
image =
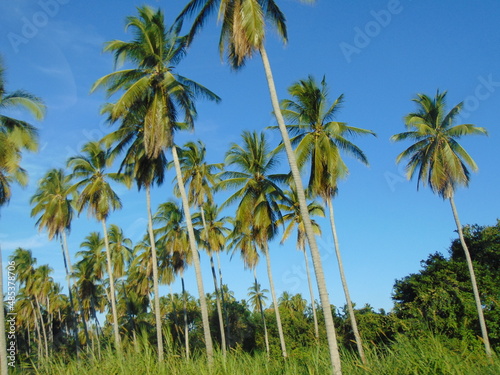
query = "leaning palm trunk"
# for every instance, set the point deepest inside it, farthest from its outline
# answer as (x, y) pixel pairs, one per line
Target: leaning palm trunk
(316, 258)
(38, 332)
(217, 291)
(111, 288)
(219, 308)
(311, 293)
(156, 288)
(354, 324)
(42, 324)
(69, 271)
(482, 323)
(196, 258)
(3, 342)
(263, 316)
(275, 301)
(224, 307)
(186, 328)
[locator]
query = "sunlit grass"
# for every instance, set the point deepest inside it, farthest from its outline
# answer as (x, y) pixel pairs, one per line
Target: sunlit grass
(426, 355)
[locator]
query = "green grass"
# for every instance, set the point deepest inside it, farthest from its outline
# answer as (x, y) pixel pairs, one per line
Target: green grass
(425, 355)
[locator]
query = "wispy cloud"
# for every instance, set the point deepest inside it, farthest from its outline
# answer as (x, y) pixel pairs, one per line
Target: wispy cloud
(34, 242)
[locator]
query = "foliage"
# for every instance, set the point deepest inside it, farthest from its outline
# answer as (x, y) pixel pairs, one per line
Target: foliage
(428, 355)
(439, 297)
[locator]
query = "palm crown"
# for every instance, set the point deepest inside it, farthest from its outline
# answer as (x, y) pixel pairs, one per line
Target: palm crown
(318, 138)
(96, 193)
(436, 157)
(243, 24)
(15, 135)
(53, 202)
(258, 193)
(152, 86)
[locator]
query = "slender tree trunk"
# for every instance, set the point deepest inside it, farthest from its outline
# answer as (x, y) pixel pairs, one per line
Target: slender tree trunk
(3, 341)
(350, 308)
(475, 289)
(219, 308)
(51, 326)
(174, 312)
(186, 328)
(196, 258)
(316, 257)
(69, 271)
(263, 316)
(29, 337)
(155, 276)
(275, 301)
(311, 293)
(216, 287)
(112, 289)
(39, 333)
(224, 307)
(44, 331)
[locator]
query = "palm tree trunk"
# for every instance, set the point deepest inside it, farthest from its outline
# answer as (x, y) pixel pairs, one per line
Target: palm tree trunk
(155, 276)
(219, 307)
(112, 288)
(216, 287)
(196, 258)
(3, 341)
(51, 326)
(186, 328)
(224, 307)
(29, 339)
(263, 316)
(316, 257)
(69, 272)
(275, 301)
(350, 308)
(482, 323)
(39, 334)
(44, 330)
(311, 293)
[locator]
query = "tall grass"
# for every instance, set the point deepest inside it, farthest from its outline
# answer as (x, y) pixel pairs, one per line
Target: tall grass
(406, 356)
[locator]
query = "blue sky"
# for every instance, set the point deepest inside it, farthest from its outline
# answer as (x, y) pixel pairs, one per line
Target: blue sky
(379, 54)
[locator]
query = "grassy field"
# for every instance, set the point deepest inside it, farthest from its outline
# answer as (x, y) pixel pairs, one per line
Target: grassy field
(426, 355)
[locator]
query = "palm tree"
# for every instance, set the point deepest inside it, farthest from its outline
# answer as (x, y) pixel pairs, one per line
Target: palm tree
(16, 135)
(199, 179)
(257, 299)
(36, 285)
(121, 250)
(10, 168)
(162, 94)
(438, 160)
(25, 269)
(52, 203)
(89, 273)
(39, 286)
(147, 172)
(243, 33)
(320, 140)
(258, 194)
(172, 236)
(215, 234)
(89, 169)
(291, 215)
